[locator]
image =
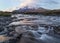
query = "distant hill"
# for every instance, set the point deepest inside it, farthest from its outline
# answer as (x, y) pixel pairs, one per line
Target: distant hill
(5, 13)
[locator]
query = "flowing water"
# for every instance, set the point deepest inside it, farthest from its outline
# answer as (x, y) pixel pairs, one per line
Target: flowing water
(24, 28)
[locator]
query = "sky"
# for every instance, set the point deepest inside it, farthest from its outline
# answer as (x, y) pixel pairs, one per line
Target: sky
(10, 5)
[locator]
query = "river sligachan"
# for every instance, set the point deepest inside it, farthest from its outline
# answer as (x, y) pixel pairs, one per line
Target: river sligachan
(20, 28)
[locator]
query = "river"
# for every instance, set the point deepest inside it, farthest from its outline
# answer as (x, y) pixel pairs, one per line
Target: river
(22, 28)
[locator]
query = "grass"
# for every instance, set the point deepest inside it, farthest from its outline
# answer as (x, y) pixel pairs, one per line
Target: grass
(5, 14)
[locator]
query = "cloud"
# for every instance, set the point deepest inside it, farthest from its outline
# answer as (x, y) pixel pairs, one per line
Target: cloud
(50, 4)
(25, 3)
(40, 3)
(10, 9)
(22, 4)
(30, 3)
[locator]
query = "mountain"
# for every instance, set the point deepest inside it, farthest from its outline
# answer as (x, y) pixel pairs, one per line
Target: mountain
(40, 10)
(30, 10)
